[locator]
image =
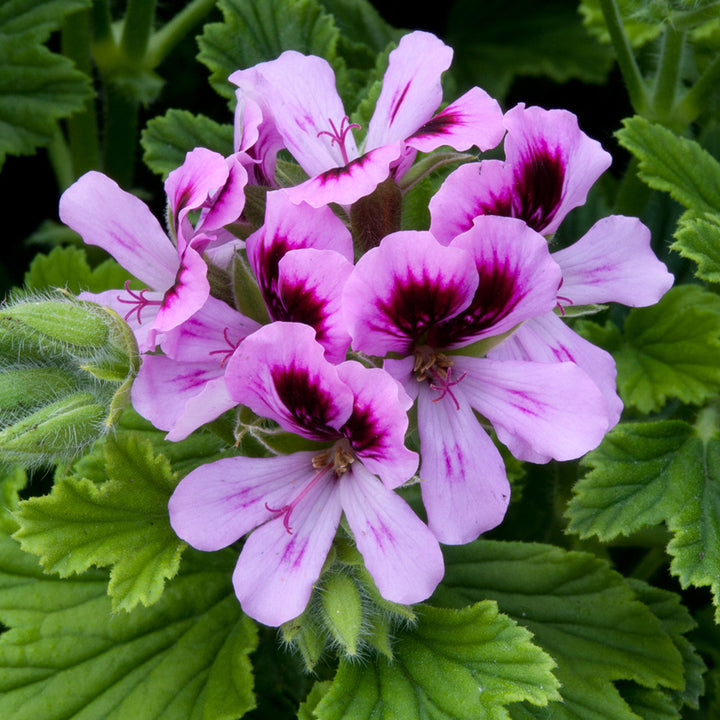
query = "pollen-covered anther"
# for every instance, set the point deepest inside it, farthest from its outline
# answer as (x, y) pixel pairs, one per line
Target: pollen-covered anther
(430, 364)
(338, 457)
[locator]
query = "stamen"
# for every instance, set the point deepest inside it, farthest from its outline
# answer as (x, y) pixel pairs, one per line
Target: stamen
(139, 301)
(227, 352)
(339, 136)
(337, 459)
(437, 367)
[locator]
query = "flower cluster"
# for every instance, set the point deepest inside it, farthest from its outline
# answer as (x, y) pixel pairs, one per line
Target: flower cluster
(345, 321)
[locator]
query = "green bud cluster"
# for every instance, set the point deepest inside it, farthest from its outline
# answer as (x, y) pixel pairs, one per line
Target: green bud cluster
(66, 368)
(346, 613)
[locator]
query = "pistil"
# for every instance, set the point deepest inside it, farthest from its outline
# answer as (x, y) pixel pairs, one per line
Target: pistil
(139, 301)
(339, 136)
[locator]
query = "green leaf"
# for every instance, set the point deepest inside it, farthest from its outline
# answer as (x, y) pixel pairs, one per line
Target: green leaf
(67, 267)
(493, 46)
(454, 665)
(646, 473)
(168, 138)
(39, 18)
(122, 522)
(673, 164)
(698, 238)
(668, 350)
(12, 482)
(640, 20)
(37, 88)
(580, 612)
(67, 655)
(255, 32)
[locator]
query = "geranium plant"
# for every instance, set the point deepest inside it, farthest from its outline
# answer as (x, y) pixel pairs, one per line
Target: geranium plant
(360, 386)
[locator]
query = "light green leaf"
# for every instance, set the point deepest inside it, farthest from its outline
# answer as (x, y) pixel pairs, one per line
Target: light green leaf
(493, 46)
(37, 88)
(646, 473)
(12, 481)
(454, 665)
(67, 267)
(673, 164)
(122, 522)
(37, 17)
(168, 138)
(68, 656)
(669, 350)
(580, 612)
(698, 238)
(255, 32)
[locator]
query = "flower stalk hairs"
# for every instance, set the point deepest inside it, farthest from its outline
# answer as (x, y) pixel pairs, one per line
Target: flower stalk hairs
(367, 357)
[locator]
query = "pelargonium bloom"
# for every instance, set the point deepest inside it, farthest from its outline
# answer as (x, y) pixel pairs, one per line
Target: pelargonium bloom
(174, 270)
(301, 109)
(291, 505)
(425, 302)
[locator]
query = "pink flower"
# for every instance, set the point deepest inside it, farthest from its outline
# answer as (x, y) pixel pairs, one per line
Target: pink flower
(291, 505)
(439, 308)
(302, 111)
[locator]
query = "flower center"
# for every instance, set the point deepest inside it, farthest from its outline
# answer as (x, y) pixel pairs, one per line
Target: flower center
(138, 301)
(336, 460)
(340, 136)
(437, 369)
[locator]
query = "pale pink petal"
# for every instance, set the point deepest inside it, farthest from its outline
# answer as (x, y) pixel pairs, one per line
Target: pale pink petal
(310, 284)
(411, 90)
(277, 569)
(297, 94)
(473, 120)
(464, 485)
(226, 202)
(180, 397)
(376, 429)
(212, 332)
(188, 294)
(548, 339)
(548, 409)
(613, 262)
(399, 551)
(349, 182)
(518, 279)
(403, 288)
(120, 223)
(280, 372)
(471, 190)
(218, 503)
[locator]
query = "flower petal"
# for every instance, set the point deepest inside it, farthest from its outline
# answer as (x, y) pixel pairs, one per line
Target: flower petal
(613, 262)
(280, 372)
(518, 280)
(411, 90)
(400, 289)
(376, 429)
(310, 284)
(465, 488)
(400, 552)
(473, 120)
(217, 503)
(551, 410)
(548, 339)
(104, 215)
(275, 574)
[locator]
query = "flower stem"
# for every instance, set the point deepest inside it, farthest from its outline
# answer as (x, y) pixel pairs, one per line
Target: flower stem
(696, 98)
(175, 30)
(666, 80)
(60, 159)
(137, 28)
(683, 20)
(634, 82)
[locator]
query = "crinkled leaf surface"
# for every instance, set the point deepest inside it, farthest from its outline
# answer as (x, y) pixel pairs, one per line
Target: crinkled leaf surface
(493, 46)
(668, 350)
(646, 473)
(454, 665)
(37, 88)
(580, 612)
(67, 656)
(698, 238)
(168, 138)
(255, 32)
(673, 164)
(122, 522)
